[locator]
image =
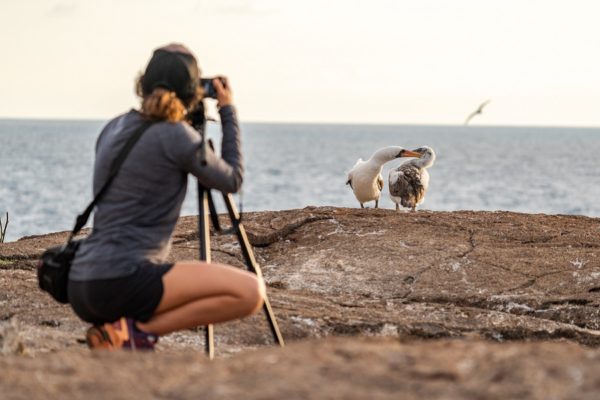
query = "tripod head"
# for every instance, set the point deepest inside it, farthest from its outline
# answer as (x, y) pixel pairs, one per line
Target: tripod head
(197, 119)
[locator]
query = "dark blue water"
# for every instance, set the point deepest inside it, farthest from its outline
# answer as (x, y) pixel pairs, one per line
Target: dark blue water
(46, 168)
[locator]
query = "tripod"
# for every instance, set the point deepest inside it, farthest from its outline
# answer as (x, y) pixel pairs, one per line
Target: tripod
(206, 206)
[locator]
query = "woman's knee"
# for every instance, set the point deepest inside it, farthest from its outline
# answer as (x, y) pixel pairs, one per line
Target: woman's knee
(252, 294)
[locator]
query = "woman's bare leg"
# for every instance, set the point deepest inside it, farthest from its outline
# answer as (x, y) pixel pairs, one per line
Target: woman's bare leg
(197, 293)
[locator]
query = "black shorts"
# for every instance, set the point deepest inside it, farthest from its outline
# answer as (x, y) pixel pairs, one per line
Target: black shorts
(106, 300)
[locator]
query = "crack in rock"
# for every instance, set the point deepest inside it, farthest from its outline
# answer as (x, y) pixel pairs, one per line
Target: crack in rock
(266, 239)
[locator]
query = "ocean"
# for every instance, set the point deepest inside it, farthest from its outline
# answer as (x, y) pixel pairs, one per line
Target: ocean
(46, 168)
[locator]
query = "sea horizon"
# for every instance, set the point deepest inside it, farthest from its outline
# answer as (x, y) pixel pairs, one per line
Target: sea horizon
(312, 123)
(47, 168)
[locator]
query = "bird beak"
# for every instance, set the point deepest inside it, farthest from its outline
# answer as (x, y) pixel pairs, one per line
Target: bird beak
(408, 153)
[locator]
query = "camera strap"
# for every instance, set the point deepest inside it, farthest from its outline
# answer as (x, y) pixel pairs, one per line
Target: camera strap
(116, 165)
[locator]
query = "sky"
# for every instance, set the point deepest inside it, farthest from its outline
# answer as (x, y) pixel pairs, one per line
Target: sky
(314, 61)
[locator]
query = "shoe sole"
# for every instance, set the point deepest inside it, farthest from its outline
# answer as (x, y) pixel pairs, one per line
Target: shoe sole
(98, 338)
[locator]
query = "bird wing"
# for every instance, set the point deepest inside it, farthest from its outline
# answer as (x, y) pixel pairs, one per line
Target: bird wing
(351, 172)
(405, 183)
(380, 182)
(470, 117)
(480, 109)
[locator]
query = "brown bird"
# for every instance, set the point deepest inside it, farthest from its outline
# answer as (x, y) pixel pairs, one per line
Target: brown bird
(409, 182)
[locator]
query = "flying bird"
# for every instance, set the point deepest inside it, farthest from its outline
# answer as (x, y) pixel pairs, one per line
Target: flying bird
(365, 177)
(409, 182)
(476, 112)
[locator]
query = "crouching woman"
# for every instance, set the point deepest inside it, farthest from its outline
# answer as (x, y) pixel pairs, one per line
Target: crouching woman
(119, 280)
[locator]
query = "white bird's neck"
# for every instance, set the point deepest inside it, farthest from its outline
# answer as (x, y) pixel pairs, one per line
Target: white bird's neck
(384, 155)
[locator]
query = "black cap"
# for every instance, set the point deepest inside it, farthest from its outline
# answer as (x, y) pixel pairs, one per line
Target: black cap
(172, 67)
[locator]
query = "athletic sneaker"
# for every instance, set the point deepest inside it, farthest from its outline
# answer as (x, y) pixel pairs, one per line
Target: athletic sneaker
(121, 334)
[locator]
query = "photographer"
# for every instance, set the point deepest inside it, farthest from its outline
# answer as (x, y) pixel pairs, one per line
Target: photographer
(119, 281)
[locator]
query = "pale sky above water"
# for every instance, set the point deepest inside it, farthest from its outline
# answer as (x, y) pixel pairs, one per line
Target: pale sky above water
(340, 61)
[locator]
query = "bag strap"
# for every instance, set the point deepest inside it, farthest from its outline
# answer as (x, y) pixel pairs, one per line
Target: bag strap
(116, 165)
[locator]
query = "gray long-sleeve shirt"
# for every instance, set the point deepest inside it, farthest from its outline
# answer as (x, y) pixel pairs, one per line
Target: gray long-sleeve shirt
(135, 218)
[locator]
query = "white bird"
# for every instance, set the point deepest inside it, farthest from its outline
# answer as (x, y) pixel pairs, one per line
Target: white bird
(409, 182)
(365, 177)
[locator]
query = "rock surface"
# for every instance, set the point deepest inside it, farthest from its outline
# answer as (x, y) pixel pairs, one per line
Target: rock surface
(427, 304)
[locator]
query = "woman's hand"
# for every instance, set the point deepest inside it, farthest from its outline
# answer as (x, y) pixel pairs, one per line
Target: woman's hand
(224, 96)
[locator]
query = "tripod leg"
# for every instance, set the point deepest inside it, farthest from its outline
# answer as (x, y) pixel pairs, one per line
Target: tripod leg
(214, 217)
(204, 236)
(251, 263)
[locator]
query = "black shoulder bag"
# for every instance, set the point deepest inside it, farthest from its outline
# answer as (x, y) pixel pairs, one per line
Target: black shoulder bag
(54, 266)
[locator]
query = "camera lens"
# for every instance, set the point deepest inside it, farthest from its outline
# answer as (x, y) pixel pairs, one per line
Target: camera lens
(208, 88)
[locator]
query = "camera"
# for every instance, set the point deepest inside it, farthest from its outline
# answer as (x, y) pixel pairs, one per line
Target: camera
(209, 89)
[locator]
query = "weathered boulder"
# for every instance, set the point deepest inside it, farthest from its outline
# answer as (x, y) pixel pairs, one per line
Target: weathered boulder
(332, 368)
(437, 284)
